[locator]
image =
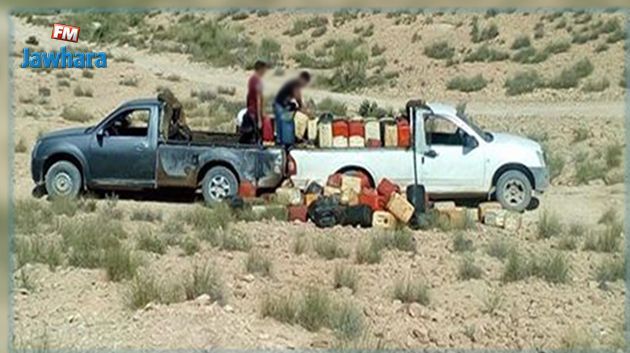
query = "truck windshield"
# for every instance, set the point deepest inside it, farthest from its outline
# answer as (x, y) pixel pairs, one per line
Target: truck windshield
(484, 135)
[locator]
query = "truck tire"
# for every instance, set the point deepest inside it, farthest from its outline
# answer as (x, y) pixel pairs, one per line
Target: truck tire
(63, 179)
(218, 183)
(514, 190)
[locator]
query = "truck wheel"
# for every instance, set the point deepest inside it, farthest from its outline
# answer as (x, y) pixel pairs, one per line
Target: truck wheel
(514, 191)
(218, 184)
(63, 179)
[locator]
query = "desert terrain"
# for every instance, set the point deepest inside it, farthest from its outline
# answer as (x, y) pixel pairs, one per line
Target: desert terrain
(119, 272)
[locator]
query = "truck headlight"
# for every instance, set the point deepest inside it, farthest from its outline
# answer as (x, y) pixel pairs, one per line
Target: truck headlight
(541, 157)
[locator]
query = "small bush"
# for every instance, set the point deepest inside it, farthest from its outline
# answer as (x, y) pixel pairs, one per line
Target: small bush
(329, 105)
(315, 310)
(548, 225)
(120, 263)
(567, 242)
(146, 215)
(129, 81)
(190, 245)
(516, 268)
(521, 42)
(301, 25)
(499, 247)
(580, 134)
(610, 270)
(257, 262)
(557, 47)
(300, 244)
(233, 240)
(143, 289)
(571, 76)
(150, 242)
(346, 321)
(596, 85)
(76, 114)
(318, 32)
(613, 155)
(468, 269)
(607, 240)
(124, 59)
(83, 92)
(328, 247)
(90, 239)
(412, 291)
(489, 32)
(204, 280)
(87, 74)
(461, 243)
(587, 169)
(20, 147)
(439, 50)
(467, 84)
(492, 302)
(368, 252)
(401, 239)
(37, 249)
(523, 82)
(529, 55)
(283, 308)
(553, 268)
(486, 54)
(346, 277)
(555, 163)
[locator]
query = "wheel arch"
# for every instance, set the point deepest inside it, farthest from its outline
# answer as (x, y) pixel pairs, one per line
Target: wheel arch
(513, 166)
(68, 157)
(216, 163)
(358, 169)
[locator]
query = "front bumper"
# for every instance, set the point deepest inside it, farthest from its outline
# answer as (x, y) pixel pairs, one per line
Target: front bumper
(541, 178)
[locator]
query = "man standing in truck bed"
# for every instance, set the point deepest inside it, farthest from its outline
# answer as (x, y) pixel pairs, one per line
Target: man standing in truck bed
(252, 121)
(288, 100)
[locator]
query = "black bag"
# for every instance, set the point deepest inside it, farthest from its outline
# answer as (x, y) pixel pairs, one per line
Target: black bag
(359, 215)
(314, 188)
(416, 196)
(325, 212)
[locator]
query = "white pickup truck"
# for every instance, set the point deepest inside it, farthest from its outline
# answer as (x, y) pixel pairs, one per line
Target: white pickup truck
(454, 159)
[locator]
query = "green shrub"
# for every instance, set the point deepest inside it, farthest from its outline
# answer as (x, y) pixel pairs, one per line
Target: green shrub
(345, 276)
(333, 106)
(300, 244)
(516, 268)
(607, 240)
(557, 47)
(412, 291)
(468, 269)
(486, 54)
(401, 239)
(521, 42)
(489, 32)
(150, 242)
(439, 50)
(283, 308)
(580, 134)
(90, 239)
(368, 252)
(346, 321)
(318, 32)
(523, 82)
(567, 242)
(529, 55)
(553, 268)
(587, 169)
(234, 240)
(608, 217)
(610, 270)
(499, 247)
(467, 84)
(37, 249)
(328, 247)
(80, 91)
(378, 50)
(143, 289)
(461, 243)
(301, 25)
(555, 163)
(20, 147)
(31, 216)
(570, 77)
(613, 155)
(548, 225)
(76, 114)
(120, 263)
(596, 85)
(190, 245)
(146, 215)
(257, 262)
(204, 279)
(315, 310)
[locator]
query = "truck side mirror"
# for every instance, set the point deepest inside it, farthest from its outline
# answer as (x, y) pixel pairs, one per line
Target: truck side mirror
(430, 154)
(470, 142)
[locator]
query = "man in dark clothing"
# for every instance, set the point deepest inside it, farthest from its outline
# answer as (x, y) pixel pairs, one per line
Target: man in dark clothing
(252, 121)
(288, 100)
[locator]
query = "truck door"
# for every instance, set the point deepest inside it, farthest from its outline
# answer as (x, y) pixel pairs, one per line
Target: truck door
(452, 161)
(123, 150)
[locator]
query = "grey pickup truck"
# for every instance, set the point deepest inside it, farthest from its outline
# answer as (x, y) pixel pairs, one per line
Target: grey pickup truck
(130, 149)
